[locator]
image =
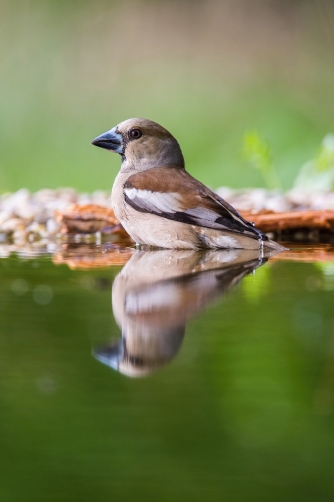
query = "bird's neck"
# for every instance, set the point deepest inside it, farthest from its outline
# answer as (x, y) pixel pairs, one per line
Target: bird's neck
(153, 154)
(144, 164)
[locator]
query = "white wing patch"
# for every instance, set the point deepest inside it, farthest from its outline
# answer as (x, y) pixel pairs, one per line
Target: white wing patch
(159, 202)
(171, 205)
(159, 297)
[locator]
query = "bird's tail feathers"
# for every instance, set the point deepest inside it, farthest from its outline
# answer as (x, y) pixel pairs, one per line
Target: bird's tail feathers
(274, 246)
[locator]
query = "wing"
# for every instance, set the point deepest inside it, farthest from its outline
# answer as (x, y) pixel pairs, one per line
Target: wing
(172, 193)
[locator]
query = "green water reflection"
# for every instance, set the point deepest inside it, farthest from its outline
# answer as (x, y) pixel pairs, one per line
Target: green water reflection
(158, 292)
(244, 411)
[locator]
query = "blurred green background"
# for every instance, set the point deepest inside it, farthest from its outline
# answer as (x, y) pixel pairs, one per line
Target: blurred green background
(206, 70)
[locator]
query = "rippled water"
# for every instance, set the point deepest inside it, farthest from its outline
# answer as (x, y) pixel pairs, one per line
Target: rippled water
(181, 376)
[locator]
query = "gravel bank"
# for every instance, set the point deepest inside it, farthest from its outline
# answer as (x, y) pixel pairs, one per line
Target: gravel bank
(30, 217)
(27, 217)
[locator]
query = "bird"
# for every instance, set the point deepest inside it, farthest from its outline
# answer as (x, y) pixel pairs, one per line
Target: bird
(160, 204)
(158, 292)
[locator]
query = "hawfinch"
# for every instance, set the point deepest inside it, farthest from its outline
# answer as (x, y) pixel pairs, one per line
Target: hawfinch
(160, 204)
(158, 292)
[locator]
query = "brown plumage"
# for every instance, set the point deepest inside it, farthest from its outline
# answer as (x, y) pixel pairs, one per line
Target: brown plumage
(160, 204)
(191, 195)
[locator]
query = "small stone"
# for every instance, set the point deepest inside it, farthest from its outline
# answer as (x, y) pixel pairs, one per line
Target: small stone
(68, 195)
(45, 195)
(101, 197)
(31, 237)
(20, 237)
(5, 216)
(11, 225)
(51, 247)
(84, 198)
(35, 228)
(52, 226)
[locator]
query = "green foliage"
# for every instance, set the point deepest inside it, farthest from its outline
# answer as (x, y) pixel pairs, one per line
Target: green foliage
(257, 152)
(318, 173)
(325, 159)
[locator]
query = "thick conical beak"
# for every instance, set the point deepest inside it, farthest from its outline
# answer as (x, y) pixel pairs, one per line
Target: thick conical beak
(110, 140)
(110, 355)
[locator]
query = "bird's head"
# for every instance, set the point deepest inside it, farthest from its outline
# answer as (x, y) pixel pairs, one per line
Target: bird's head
(143, 145)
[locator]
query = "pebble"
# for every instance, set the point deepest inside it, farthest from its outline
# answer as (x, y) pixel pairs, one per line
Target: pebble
(52, 227)
(11, 225)
(257, 199)
(26, 216)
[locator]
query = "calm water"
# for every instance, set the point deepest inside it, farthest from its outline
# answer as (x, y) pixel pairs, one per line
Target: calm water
(183, 376)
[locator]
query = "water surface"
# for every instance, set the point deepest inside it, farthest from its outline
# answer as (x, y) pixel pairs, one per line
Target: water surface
(218, 381)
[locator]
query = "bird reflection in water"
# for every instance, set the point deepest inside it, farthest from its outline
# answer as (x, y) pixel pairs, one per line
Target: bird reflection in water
(157, 292)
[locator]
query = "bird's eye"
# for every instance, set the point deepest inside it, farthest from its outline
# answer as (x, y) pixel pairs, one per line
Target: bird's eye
(135, 134)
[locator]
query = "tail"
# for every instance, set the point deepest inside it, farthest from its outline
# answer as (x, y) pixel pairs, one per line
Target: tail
(274, 246)
(265, 242)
